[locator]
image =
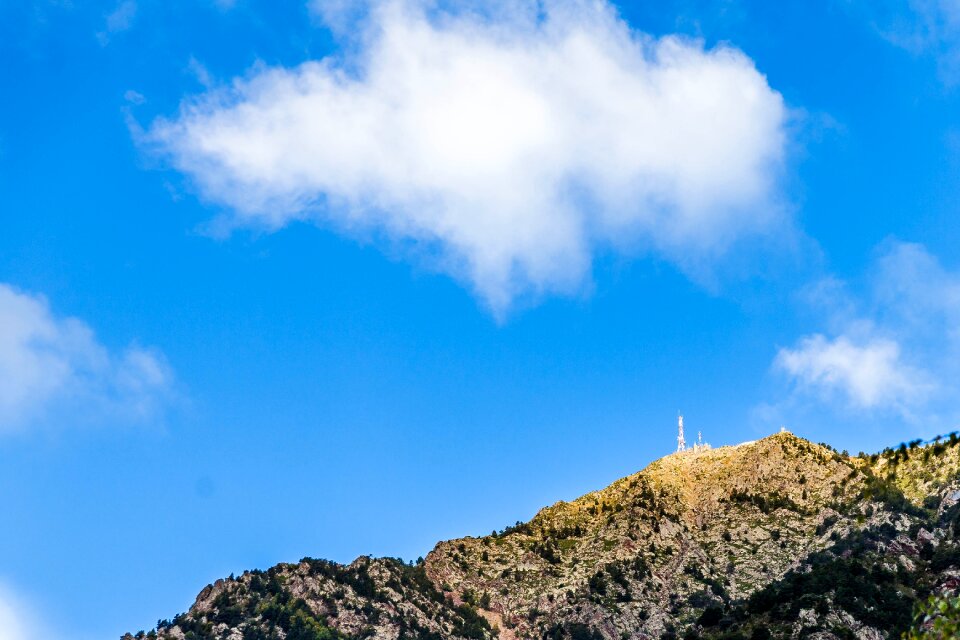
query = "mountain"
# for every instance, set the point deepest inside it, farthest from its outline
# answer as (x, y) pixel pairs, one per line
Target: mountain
(778, 538)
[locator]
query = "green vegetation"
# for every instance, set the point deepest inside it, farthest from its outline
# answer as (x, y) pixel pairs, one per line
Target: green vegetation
(937, 618)
(262, 607)
(766, 503)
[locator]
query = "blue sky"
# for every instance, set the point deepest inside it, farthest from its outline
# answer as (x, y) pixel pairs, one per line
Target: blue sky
(333, 279)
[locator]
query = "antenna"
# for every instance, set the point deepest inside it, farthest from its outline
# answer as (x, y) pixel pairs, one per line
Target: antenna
(681, 443)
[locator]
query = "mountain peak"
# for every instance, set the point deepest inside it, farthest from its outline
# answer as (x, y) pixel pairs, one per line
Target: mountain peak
(779, 533)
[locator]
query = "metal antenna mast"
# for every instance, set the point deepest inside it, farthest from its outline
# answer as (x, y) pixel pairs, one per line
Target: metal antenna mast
(681, 443)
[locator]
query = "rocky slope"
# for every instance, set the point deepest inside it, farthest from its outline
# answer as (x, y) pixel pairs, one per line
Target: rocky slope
(775, 538)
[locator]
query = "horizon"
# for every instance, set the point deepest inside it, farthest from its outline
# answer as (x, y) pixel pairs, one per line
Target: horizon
(331, 279)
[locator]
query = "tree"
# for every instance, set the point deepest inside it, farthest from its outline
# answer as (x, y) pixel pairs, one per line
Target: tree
(938, 618)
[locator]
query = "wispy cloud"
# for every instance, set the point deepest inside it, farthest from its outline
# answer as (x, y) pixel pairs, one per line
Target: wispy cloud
(54, 366)
(895, 347)
(503, 144)
(922, 27)
(118, 20)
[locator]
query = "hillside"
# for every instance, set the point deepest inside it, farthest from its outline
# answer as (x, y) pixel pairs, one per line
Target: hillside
(775, 538)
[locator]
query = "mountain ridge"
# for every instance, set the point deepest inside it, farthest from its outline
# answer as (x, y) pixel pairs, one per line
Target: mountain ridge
(697, 544)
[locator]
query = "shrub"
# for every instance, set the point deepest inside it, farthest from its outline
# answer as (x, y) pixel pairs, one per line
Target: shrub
(711, 616)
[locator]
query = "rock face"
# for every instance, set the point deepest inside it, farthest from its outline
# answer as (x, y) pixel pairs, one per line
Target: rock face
(775, 538)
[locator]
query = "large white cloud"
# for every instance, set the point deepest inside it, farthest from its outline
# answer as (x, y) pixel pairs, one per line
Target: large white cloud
(50, 363)
(504, 147)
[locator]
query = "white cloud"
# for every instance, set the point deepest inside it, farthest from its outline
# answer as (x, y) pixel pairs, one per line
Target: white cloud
(134, 97)
(118, 20)
(17, 621)
(503, 146)
(49, 364)
(11, 627)
(911, 289)
(922, 27)
(896, 346)
(869, 375)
